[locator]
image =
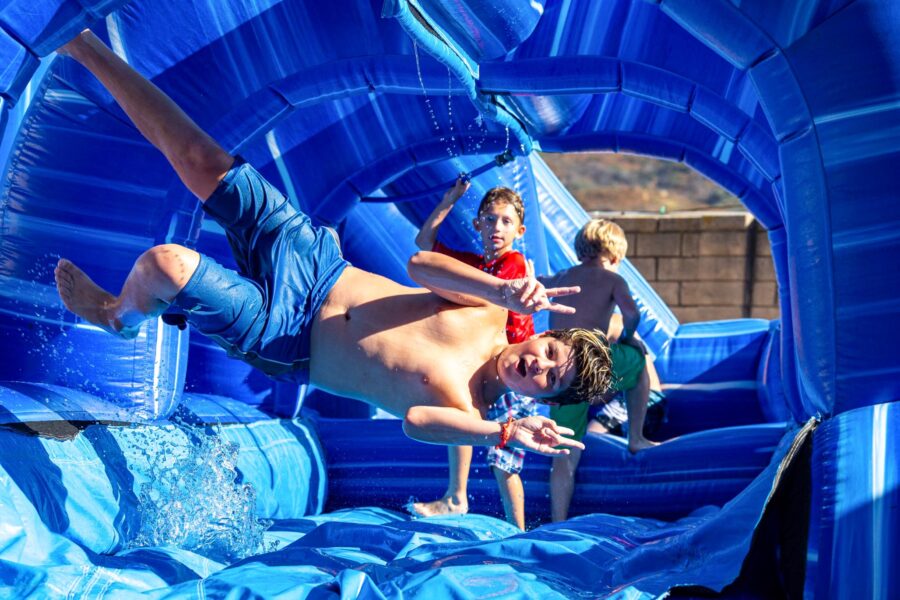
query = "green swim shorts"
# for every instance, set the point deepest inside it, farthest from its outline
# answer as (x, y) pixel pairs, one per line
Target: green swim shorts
(627, 364)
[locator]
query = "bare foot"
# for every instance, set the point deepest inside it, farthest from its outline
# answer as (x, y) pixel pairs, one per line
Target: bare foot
(87, 300)
(448, 505)
(637, 445)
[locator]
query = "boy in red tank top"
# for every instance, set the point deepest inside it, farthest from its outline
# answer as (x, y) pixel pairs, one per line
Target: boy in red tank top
(500, 222)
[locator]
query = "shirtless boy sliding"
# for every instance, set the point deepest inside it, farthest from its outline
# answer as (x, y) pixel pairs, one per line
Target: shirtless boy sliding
(437, 357)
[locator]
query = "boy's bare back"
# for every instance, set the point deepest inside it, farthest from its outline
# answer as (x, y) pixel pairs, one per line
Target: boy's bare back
(594, 306)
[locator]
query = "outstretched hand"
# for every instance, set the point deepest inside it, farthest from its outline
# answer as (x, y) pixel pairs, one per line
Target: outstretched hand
(456, 192)
(527, 295)
(542, 435)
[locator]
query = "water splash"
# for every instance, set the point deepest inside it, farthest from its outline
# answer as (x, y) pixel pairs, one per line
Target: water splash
(428, 105)
(191, 498)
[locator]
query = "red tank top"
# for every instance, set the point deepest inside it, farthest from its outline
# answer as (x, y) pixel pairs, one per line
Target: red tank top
(509, 266)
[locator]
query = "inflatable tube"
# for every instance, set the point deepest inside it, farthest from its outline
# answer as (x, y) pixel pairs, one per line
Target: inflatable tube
(394, 470)
(792, 106)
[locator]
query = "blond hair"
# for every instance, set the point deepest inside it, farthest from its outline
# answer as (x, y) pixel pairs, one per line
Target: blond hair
(592, 361)
(598, 237)
(503, 195)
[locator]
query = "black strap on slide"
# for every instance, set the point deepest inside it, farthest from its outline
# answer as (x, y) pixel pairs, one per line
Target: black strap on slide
(498, 161)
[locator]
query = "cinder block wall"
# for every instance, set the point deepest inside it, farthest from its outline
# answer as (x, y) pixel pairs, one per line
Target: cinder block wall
(706, 265)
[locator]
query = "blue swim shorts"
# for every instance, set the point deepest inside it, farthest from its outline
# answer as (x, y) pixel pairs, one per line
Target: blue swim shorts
(262, 315)
(510, 460)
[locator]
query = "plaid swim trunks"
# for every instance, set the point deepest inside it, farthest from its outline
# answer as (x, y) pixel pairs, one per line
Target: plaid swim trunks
(509, 460)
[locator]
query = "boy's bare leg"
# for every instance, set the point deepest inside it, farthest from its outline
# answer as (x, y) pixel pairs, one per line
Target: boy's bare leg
(199, 161)
(562, 483)
(156, 278)
(595, 426)
(655, 383)
(636, 403)
(513, 495)
(456, 500)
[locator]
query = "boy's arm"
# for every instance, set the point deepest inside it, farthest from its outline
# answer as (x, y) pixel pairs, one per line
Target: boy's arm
(458, 282)
(631, 317)
(428, 233)
(451, 426)
(199, 161)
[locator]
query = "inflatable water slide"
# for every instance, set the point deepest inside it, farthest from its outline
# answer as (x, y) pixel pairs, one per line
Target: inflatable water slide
(158, 467)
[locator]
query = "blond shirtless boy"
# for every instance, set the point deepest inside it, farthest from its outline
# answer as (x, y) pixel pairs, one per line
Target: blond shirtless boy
(437, 357)
(601, 246)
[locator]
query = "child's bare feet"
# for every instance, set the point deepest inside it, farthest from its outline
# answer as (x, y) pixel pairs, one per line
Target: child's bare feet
(637, 445)
(448, 505)
(86, 299)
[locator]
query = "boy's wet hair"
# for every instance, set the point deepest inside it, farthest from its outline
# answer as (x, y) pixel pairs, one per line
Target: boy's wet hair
(503, 195)
(599, 236)
(593, 364)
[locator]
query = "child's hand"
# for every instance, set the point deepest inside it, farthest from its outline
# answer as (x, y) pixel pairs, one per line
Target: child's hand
(528, 295)
(542, 435)
(456, 192)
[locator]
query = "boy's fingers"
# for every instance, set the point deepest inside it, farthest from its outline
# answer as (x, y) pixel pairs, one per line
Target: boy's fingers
(564, 291)
(570, 443)
(528, 292)
(553, 451)
(560, 309)
(537, 296)
(550, 424)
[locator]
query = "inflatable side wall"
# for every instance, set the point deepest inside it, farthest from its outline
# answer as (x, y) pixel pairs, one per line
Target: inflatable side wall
(362, 111)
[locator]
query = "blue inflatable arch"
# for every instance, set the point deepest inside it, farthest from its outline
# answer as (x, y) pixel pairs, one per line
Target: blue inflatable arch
(361, 110)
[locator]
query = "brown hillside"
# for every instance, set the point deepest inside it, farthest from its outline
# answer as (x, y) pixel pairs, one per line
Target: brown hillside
(613, 182)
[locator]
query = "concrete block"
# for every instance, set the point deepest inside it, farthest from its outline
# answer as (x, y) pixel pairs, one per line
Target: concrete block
(765, 294)
(658, 244)
(681, 223)
(726, 221)
(723, 243)
(669, 291)
(677, 269)
(763, 247)
(693, 314)
(632, 250)
(765, 312)
(690, 244)
(645, 266)
(631, 223)
(722, 268)
(763, 269)
(713, 293)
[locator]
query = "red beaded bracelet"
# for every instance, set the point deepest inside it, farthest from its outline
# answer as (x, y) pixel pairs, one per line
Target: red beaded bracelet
(504, 434)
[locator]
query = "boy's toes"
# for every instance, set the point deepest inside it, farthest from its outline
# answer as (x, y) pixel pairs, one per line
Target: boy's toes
(65, 281)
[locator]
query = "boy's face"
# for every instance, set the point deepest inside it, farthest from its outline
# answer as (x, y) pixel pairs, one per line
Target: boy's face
(542, 367)
(499, 227)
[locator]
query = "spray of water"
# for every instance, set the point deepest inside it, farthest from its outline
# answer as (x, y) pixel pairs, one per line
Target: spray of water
(191, 498)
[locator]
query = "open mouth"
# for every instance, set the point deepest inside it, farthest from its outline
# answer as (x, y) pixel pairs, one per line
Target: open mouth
(520, 367)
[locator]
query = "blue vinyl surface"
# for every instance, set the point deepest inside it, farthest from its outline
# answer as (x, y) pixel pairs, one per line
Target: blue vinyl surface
(361, 111)
(72, 507)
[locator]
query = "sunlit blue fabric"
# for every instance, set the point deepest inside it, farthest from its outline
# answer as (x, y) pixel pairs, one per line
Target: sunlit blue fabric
(854, 510)
(86, 486)
(363, 552)
(792, 106)
(686, 471)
